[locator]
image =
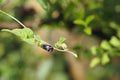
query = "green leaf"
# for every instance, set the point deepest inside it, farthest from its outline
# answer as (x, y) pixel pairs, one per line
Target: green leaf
(57, 45)
(115, 42)
(25, 34)
(94, 50)
(22, 33)
(80, 22)
(105, 59)
(95, 61)
(17, 32)
(29, 41)
(61, 40)
(89, 19)
(97, 50)
(88, 30)
(43, 3)
(7, 30)
(29, 32)
(105, 45)
(61, 43)
(64, 46)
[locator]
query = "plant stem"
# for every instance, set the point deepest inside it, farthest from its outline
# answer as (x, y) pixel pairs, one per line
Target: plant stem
(13, 18)
(66, 51)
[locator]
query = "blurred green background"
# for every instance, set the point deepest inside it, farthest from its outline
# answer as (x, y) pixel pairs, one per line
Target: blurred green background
(97, 43)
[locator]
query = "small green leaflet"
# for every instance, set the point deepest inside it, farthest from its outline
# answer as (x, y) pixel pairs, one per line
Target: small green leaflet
(105, 59)
(105, 45)
(95, 61)
(61, 40)
(114, 41)
(88, 30)
(89, 19)
(61, 43)
(94, 50)
(80, 22)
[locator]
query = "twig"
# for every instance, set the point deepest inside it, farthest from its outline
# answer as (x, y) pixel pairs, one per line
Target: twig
(13, 18)
(66, 51)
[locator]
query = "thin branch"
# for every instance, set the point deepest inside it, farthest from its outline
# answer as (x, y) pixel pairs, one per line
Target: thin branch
(13, 18)
(74, 54)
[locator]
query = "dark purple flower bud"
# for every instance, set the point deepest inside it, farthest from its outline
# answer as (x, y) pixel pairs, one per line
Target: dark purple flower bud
(47, 47)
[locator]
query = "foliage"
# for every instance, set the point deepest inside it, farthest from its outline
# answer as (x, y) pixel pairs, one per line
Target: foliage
(61, 43)
(85, 23)
(28, 36)
(98, 19)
